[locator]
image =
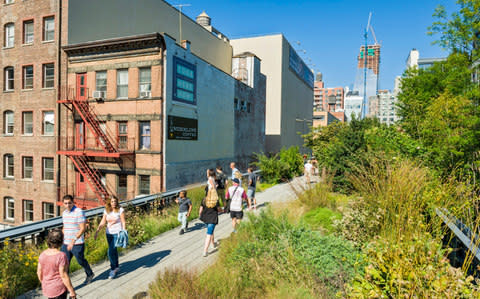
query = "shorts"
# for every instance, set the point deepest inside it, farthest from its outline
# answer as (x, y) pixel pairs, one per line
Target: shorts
(237, 215)
(210, 228)
(250, 193)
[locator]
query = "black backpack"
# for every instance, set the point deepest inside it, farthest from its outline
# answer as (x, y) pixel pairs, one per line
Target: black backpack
(220, 181)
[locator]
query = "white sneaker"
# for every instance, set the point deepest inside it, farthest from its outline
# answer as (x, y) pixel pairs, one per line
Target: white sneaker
(113, 273)
(205, 254)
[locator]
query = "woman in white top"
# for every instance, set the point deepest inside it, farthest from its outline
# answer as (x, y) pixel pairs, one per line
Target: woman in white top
(114, 218)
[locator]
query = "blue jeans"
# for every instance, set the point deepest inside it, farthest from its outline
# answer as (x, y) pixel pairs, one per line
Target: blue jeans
(112, 251)
(79, 252)
(182, 217)
(210, 228)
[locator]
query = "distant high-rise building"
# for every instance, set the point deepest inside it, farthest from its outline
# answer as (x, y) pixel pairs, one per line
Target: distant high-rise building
(414, 60)
(327, 100)
(383, 106)
(371, 62)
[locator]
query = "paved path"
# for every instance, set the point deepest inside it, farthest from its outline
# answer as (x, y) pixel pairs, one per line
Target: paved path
(139, 266)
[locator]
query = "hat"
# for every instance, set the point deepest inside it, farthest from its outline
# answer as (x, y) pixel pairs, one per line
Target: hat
(235, 180)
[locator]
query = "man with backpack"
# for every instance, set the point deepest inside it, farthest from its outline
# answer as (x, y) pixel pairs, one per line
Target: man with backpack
(252, 186)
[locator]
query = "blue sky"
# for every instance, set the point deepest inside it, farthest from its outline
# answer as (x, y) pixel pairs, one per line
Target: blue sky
(331, 31)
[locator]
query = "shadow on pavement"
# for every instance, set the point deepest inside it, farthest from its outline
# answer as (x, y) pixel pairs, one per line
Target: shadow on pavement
(197, 226)
(130, 266)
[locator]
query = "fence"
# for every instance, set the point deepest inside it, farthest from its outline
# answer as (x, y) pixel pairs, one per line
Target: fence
(37, 231)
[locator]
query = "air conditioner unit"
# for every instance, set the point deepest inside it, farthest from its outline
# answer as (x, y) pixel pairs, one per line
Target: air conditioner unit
(145, 94)
(98, 94)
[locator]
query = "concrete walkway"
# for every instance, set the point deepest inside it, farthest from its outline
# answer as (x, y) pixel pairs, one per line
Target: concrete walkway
(139, 266)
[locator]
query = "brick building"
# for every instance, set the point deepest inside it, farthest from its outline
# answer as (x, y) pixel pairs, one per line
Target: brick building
(30, 61)
(328, 103)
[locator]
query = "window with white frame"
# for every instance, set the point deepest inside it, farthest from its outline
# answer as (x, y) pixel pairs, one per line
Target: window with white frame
(122, 83)
(101, 81)
(48, 123)
(28, 32)
(48, 210)
(9, 82)
(9, 40)
(122, 134)
(27, 123)
(144, 127)
(27, 210)
(8, 122)
(184, 81)
(48, 75)
(9, 208)
(27, 167)
(145, 80)
(27, 77)
(47, 171)
(8, 166)
(144, 185)
(48, 28)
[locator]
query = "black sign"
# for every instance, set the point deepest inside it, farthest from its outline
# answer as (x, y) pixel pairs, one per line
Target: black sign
(181, 128)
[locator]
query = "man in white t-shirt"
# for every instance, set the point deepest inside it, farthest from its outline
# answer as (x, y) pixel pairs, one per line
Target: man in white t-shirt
(237, 195)
(308, 167)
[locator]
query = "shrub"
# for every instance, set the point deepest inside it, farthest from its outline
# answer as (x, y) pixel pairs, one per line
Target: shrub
(280, 167)
(415, 267)
(322, 219)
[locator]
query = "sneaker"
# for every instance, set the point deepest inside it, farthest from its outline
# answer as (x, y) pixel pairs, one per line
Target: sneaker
(186, 227)
(89, 279)
(205, 254)
(235, 231)
(111, 275)
(215, 244)
(182, 231)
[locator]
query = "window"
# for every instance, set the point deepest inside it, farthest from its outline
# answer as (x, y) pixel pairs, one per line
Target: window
(48, 210)
(9, 35)
(47, 171)
(145, 81)
(144, 134)
(235, 104)
(122, 83)
(48, 75)
(9, 208)
(27, 167)
(8, 122)
(27, 77)
(184, 81)
(48, 123)
(244, 106)
(249, 107)
(27, 123)
(122, 134)
(48, 28)
(101, 81)
(144, 184)
(28, 210)
(122, 186)
(8, 86)
(28, 32)
(8, 166)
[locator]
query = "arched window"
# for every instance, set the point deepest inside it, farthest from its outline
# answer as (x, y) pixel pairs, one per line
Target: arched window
(8, 122)
(8, 78)
(8, 166)
(9, 30)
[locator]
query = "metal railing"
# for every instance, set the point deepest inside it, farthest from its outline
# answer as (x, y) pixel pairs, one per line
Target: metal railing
(37, 231)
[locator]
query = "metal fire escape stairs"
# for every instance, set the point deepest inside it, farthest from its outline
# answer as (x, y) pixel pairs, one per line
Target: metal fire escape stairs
(81, 157)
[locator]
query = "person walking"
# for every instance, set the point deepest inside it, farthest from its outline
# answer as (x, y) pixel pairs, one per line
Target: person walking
(221, 181)
(114, 218)
(251, 187)
(73, 229)
(184, 210)
(236, 174)
(307, 172)
(52, 268)
(208, 212)
(237, 195)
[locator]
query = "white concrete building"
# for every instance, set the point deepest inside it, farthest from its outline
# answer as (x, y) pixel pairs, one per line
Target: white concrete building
(353, 105)
(289, 100)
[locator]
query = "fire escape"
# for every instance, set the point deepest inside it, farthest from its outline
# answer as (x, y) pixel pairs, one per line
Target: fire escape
(81, 155)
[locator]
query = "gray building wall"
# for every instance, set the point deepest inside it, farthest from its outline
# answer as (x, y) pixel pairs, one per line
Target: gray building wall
(91, 20)
(250, 123)
(186, 161)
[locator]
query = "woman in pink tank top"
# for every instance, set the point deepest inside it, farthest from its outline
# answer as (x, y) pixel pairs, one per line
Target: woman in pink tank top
(52, 270)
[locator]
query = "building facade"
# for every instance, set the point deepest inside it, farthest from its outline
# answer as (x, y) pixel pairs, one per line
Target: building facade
(368, 71)
(329, 100)
(289, 91)
(31, 61)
